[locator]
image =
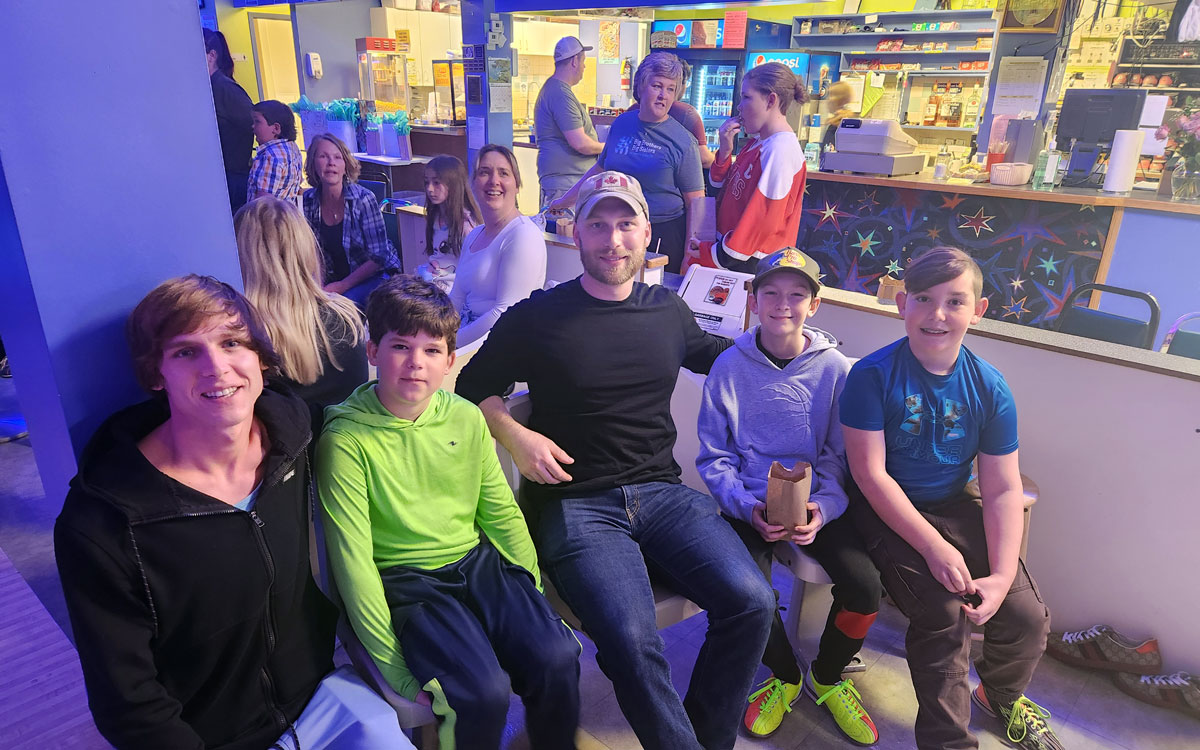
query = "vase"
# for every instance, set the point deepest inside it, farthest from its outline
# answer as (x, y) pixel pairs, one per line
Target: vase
(1185, 182)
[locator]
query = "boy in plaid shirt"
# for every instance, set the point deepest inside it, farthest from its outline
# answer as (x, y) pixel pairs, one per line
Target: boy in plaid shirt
(277, 165)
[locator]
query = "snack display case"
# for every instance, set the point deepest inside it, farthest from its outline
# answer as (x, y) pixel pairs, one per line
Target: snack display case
(449, 92)
(382, 74)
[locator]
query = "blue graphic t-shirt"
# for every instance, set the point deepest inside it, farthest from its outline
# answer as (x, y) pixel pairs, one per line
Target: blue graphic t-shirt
(933, 425)
(663, 156)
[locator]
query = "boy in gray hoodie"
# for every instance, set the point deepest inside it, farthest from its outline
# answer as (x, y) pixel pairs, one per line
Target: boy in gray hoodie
(773, 397)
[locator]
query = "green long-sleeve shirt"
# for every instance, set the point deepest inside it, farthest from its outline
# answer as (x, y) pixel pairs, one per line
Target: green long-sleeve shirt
(395, 492)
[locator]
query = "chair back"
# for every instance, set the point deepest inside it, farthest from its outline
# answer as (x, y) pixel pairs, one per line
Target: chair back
(1182, 343)
(380, 189)
(1104, 326)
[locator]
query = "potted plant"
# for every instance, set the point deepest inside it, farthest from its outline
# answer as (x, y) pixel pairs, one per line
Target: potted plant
(1183, 135)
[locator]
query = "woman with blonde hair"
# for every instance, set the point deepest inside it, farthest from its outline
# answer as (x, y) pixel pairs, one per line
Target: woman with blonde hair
(347, 220)
(318, 335)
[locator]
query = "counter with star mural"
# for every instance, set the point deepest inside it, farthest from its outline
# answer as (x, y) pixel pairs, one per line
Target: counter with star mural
(1033, 253)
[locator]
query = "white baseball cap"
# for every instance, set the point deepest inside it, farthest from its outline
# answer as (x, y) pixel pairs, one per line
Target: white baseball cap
(568, 47)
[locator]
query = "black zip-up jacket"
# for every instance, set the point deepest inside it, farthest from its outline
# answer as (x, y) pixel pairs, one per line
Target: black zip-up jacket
(198, 625)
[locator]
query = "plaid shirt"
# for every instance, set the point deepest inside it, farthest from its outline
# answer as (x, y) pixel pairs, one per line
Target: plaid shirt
(276, 170)
(363, 233)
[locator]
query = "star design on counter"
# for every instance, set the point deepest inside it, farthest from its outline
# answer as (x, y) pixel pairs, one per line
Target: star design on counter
(854, 283)
(951, 202)
(1049, 265)
(866, 244)
(1054, 302)
(893, 267)
(1031, 227)
(909, 201)
(976, 221)
(934, 233)
(868, 200)
(1017, 283)
(1015, 309)
(1088, 207)
(830, 214)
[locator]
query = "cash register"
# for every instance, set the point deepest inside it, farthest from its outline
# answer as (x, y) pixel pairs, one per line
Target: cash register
(878, 147)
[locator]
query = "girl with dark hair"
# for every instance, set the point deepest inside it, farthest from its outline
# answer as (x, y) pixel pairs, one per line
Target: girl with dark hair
(278, 169)
(234, 122)
(450, 213)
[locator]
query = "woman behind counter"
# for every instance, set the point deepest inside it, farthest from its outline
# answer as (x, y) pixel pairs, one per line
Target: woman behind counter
(233, 108)
(651, 146)
(318, 335)
(504, 260)
(346, 219)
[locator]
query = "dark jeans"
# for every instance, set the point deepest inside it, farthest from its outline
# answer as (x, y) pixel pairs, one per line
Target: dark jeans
(856, 591)
(669, 238)
(469, 623)
(236, 183)
(358, 294)
(600, 551)
(939, 634)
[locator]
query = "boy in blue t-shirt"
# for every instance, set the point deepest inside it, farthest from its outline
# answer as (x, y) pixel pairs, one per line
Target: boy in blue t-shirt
(915, 414)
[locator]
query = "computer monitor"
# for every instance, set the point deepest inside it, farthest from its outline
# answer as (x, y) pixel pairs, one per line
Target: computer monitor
(1089, 120)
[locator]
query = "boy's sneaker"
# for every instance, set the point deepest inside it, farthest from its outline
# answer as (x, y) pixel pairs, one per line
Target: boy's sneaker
(768, 705)
(1102, 647)
(845, 704)
(1025, 722)
(1179, 691)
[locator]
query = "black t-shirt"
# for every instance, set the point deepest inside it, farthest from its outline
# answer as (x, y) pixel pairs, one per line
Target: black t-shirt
(337, 263)
(600, 377)
(780, 363)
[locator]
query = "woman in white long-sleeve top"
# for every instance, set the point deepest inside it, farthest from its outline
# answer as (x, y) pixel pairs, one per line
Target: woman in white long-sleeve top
(503, 260)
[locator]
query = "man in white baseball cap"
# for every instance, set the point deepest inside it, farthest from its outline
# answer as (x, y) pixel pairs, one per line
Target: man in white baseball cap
(566, 138)
(601, 354)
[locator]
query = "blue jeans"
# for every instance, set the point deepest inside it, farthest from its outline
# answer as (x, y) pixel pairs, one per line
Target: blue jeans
(600, 550)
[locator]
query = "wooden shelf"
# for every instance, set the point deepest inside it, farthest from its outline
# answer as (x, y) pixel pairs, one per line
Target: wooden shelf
(1189, 63)
(984, 52)
(940, 73)
(949, 15)
(938, 127)
(966, 33)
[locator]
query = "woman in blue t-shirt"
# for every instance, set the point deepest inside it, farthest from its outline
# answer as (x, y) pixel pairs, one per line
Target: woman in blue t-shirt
(651, 146)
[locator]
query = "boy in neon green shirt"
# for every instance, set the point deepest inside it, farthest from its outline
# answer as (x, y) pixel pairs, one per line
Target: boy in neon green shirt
(408, 478)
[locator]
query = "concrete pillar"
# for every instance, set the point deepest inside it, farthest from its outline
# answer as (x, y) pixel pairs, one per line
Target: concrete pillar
(110, 181)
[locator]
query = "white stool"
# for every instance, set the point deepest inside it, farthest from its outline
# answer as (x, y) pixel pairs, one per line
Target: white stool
(804, 624)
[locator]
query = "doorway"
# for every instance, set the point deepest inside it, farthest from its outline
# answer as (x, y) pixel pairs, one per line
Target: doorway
(274, 57)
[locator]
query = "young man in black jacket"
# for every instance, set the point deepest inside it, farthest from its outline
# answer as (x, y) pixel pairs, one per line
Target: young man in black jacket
(601, 355)
(183, 550)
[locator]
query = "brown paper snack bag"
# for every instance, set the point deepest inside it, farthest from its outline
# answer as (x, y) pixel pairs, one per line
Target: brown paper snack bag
(787, 494)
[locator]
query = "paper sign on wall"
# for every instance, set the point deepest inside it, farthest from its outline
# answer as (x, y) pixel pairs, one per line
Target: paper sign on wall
(475, 132)
(735, 29)
(403, 40)
(500, 95)
(610, 43)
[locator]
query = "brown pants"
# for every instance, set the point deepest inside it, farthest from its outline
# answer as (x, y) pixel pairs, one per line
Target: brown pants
(938, 641)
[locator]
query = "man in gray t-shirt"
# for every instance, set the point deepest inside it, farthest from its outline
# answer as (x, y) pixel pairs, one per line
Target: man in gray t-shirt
(566, 139)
